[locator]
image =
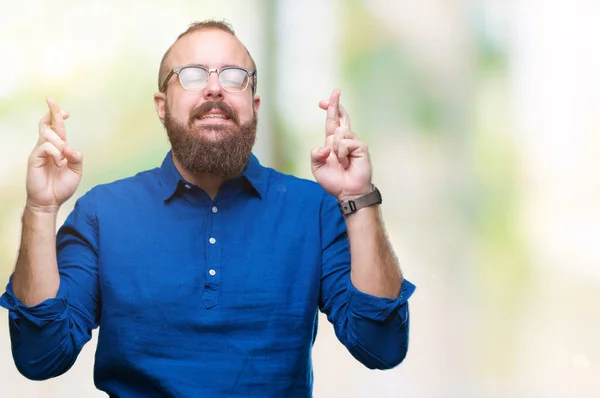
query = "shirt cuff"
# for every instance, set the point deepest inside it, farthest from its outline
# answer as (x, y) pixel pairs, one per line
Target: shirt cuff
(40, 314)
(378, 308)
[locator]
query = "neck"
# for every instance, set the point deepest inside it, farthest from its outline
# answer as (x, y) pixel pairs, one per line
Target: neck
(209, 183)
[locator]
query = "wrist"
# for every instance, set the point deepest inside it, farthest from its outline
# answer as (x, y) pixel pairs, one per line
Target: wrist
(42, 210)
(353, 204)
(344, 197)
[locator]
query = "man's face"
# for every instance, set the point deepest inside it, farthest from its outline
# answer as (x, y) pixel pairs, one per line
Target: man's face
(211, 131)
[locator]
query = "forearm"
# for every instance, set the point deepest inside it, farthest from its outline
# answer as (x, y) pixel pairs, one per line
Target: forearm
(374, 267)
(36, 276)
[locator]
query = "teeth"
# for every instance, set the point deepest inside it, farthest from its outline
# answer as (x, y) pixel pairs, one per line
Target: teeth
(213, 116)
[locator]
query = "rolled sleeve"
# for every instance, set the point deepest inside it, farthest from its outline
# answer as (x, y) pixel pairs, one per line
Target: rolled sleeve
(38, 335)
(38, 315)
(379, 308)
(378, 328)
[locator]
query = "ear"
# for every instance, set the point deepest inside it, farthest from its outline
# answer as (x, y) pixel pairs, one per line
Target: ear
(160, 101)
(256, 104)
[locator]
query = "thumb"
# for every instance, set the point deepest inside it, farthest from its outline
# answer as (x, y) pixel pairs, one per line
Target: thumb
(319, 156)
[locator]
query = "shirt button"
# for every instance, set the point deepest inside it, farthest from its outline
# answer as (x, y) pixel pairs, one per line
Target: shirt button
(187, 186)
(212, 272)
(212, 241)
(214, 209)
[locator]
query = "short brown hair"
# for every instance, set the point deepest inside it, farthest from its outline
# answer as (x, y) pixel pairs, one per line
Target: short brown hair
(207, 24)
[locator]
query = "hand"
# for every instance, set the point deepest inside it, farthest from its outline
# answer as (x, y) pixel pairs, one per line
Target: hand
(54, 169)
(342, 167)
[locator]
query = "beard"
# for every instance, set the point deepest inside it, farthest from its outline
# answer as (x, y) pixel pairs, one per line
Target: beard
(225, 156)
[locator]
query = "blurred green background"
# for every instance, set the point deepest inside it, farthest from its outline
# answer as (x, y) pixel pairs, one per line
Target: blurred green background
(482, 120)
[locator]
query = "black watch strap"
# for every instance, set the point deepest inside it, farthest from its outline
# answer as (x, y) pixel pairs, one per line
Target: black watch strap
(372, 198)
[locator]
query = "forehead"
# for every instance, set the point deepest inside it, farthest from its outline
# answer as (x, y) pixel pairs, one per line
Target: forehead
(210, 47)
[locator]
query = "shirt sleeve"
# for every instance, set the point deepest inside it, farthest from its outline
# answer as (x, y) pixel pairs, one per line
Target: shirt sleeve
(47, 338)
(374, 329)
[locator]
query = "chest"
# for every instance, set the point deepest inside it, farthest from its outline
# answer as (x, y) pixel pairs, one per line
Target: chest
(208, 270)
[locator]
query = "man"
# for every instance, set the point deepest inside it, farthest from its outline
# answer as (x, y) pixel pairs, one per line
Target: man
(205, 275)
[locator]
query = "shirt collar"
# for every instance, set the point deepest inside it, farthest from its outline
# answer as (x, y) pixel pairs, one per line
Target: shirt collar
(170, 177)
(256, 175)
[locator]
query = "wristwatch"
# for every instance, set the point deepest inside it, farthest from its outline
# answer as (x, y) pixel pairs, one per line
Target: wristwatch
(350, 206)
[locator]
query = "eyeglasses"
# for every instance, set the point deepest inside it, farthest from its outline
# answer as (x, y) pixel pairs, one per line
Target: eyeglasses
(195, 78)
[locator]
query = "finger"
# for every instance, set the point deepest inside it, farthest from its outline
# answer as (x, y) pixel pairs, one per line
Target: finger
(344, 118)
(46, 120)
(340, 134)
(49, 135)
(342, 153)
(56, 119)
(345, 150)
(333, 111)
(74, 159)
(319, 156)
(329, 141)
(323, 104)
(337, 137)
(42, 153)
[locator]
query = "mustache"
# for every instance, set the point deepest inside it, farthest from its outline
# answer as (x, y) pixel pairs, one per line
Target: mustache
(208, 106)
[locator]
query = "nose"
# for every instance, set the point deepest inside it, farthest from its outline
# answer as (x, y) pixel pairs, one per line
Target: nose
(213, 87)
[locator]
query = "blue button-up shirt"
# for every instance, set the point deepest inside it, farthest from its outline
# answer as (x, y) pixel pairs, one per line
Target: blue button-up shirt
(204, 298)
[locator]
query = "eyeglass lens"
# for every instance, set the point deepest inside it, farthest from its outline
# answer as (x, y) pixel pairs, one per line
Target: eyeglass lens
(232, 79)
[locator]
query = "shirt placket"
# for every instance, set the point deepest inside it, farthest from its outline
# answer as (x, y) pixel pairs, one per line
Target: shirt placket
(210, 294)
